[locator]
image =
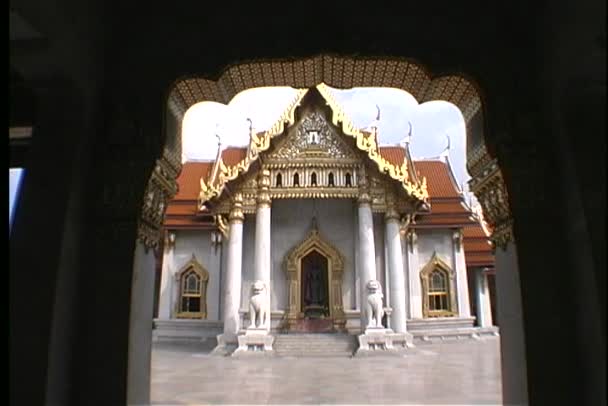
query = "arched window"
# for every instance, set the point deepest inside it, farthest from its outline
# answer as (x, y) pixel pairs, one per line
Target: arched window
(279, 180)
(313, 179)
(330, 179)
(438, 290)
(192, 302)
(296, 179)
(347, 179)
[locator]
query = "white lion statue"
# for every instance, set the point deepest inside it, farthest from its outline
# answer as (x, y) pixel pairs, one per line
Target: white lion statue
(374, 308)
(258, 305)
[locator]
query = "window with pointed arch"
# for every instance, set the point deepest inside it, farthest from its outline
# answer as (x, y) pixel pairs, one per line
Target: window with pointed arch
(313, 179)
(296, 179)
(348, 179)
(279, 180)
(330, 179)
(438, 289)
(192, 302)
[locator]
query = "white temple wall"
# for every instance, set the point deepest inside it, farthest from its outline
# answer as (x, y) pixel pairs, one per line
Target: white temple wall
(290, 223)
(198, 242)
(435, 240)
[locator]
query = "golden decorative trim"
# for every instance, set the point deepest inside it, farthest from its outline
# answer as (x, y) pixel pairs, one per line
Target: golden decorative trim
(436, 263)
(491, 192)
(203, 274)
(263, 197)
(261, 142)
(222, 225)
(236, 212)
(160, 189)
(335, 270)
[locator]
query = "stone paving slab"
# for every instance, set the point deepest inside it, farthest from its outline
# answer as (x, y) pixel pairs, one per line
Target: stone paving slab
(463, 372)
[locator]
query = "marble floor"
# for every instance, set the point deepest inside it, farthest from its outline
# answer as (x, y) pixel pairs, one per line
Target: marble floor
(448, 373)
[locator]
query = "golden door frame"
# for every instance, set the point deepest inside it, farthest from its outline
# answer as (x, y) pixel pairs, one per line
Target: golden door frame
(335, 271)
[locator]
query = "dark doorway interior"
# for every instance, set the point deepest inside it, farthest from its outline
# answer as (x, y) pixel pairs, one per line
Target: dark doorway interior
(315, 295)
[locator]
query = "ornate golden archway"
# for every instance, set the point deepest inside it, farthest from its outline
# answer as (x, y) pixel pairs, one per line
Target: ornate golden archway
(335, 270)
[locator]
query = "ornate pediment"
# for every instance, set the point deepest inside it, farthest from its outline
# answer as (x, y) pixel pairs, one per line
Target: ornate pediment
(312, 137)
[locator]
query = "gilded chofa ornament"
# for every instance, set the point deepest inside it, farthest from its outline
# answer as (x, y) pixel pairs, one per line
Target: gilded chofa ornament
(221, 173)
(489, 188)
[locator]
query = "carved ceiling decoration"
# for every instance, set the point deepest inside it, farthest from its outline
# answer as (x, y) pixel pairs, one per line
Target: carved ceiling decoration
(161, 188)
(489, 188)
(335, 71)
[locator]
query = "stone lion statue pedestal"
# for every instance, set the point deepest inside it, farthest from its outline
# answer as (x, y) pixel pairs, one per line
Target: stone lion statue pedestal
(257, 339)
(376, 339)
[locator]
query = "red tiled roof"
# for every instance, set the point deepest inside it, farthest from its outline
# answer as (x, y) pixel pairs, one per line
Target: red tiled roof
(442, 220)
(233, 155)
(438, 180)
(188, 180)
(177, 208)
(477, 250)
(395, 155)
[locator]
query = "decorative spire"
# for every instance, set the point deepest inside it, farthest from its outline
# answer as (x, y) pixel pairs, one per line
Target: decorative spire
(446, 152)
(250, 127)
(408, 138)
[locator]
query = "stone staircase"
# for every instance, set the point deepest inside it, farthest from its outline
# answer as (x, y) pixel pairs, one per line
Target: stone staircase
(314, 345)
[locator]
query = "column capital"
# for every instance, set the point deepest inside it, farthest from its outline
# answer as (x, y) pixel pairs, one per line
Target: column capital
(236, 212)
(263, 197)
(364, 197)
(391, 212)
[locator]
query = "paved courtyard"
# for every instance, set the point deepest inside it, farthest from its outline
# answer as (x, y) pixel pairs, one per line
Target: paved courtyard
(447, 373)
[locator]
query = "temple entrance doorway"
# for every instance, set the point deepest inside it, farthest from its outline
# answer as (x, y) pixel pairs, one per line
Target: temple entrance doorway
(315, 298)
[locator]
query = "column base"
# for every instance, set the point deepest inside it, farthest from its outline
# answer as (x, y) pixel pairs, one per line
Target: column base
(256, 341)
(226, 345)
(379, 341)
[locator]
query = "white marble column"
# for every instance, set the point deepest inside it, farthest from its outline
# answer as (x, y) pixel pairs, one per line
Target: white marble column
(165, 300)
(232, 287)
(462, 284)
(395, 269)
(367, 251)
(262, 234)
(484, 309)
(413, 273)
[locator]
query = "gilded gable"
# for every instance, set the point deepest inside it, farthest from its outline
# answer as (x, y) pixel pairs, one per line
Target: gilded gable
(312, 137)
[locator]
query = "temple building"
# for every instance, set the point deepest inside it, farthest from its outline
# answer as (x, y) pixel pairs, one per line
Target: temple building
(315, 209)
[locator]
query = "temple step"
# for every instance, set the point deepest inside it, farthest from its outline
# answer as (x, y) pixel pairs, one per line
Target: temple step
(314, 345)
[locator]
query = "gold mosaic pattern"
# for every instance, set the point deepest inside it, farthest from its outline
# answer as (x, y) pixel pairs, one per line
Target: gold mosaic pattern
(335, 71)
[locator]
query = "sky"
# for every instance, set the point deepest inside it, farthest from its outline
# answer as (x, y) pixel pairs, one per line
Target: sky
(431, 122)
(14, 179)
